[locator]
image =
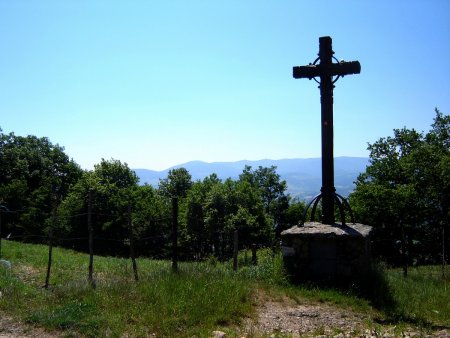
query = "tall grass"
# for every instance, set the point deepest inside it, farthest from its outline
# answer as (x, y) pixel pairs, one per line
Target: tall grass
(200, 298)
(194, 301)
(423, 297)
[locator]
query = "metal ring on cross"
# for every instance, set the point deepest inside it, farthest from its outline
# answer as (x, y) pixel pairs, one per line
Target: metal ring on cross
(333, 81)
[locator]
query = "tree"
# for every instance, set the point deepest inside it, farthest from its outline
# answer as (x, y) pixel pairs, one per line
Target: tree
(215, 209)
(111, 186)
(295, 212)
(177, 183)
(405, 191)
(35, 175)
(151, 218)
(249, 215)
(272, 189)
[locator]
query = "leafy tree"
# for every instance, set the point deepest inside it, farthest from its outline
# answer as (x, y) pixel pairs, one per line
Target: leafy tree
(35, 175)
(249, 216)
(194, 218)
(110, 188)
(405, 191)
(294, 213)
(273, 193)
(177, 183)
(151, 219)
(214, 209)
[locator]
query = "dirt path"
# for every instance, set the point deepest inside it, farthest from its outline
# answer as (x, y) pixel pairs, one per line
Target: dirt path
(288, 317)
(11, 328)
(275, 318)
(285, 317)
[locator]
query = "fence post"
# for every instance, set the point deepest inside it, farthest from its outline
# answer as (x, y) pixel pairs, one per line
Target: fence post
(91, 240)
(254, 257)
(443, 251)
(130, 227)
(175, 234)
(235, 250)
(0, 233)
(404, 253)
(49, 264)
(50, 244)
(2, 208)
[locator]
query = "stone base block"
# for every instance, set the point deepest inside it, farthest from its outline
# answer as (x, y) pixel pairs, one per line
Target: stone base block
(327, 253)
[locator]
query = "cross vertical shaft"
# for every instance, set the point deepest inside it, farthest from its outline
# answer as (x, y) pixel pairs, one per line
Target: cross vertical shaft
(325, 70)
(326, 100)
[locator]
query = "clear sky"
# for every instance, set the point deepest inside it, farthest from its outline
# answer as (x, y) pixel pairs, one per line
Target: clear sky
(159, 83)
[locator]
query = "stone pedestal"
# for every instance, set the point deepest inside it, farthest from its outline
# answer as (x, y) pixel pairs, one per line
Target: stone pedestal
(326, 253)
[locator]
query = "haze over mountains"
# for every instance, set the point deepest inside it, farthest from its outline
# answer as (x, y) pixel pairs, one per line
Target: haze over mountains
(303, 176)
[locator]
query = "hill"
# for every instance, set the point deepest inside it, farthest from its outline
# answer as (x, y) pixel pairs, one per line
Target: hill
(303, 176)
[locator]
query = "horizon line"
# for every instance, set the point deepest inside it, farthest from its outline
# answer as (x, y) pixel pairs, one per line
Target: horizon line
(245, 160)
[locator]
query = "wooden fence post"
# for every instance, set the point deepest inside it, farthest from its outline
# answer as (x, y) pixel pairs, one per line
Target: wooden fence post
(50, 251)
(404, 252)
(235, 250)
(91, 240)
(0, 233)
(443, 251)
(254, 257)
(175, 234)
(50, 244)
(2, 209)
(132, 256)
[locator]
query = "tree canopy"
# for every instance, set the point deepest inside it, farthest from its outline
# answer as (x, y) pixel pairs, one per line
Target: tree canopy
(404, 193)
(35, 175)
(49, 190)
(406, 188)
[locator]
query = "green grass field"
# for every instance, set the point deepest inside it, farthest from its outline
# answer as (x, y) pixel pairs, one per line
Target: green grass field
(200, 298)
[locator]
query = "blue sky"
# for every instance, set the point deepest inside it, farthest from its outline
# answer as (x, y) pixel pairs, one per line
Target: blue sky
(159, 83)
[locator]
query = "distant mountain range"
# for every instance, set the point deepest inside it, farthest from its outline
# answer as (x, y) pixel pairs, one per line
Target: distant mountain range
(303, 176)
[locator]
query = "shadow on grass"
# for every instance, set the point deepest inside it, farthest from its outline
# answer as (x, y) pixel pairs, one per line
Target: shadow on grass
(382, 294)
(373, 286)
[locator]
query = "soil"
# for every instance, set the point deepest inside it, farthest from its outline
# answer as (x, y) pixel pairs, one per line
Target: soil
(11, 328)
(287, 318)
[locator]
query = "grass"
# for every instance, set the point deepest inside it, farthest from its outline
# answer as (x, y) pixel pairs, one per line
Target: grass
(196, 300)
(200, 298)
(422, 298)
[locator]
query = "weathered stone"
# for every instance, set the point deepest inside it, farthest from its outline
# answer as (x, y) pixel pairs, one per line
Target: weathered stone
(218, 334)
(318, 251)
(5, 264)
(316, 229)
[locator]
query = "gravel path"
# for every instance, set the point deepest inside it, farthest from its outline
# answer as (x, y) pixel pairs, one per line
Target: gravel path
(275, 318)
(11, 328)
(288, 318)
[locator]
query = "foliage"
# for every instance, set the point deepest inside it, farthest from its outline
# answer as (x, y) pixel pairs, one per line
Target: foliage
(213, 210)
(151, 221)
(176, 184)
(406, 188)
(273, 193)
(52, 193)
(108, 188)
(35, 176)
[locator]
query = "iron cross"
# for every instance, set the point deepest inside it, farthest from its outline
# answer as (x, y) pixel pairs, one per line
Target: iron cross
(326, 70)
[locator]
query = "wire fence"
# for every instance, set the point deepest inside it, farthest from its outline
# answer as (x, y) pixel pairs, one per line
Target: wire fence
(126, 246)
(166, 245)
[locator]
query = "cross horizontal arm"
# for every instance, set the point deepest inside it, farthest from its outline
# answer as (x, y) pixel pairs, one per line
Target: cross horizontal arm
(341, 68)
